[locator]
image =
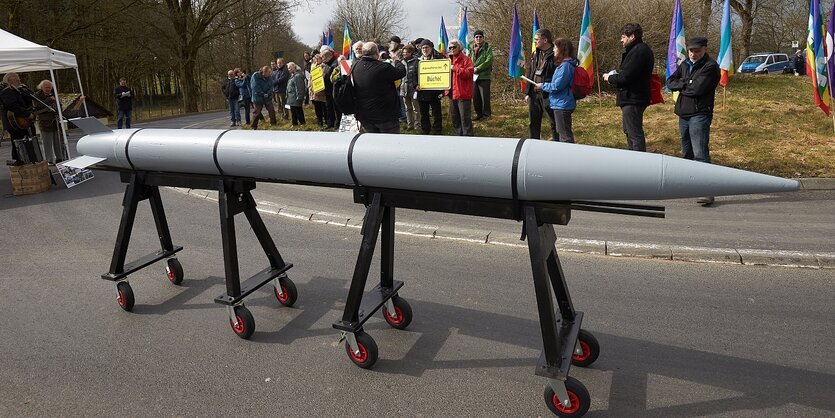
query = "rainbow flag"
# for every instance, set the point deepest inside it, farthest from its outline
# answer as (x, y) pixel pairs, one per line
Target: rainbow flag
(347, 51)
(516, 59)
(585, 48)
(330, 38)
(816, 57)
(443, 38)
(676, 48)
(463, 32)
(726, 59)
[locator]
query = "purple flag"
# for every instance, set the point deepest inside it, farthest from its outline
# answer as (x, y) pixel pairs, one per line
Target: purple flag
(830, 50)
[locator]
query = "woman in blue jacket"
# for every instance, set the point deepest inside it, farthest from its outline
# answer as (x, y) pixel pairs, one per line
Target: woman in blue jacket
(560, 94)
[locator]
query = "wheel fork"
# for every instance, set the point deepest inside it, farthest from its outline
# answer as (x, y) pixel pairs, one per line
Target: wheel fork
(559, 389)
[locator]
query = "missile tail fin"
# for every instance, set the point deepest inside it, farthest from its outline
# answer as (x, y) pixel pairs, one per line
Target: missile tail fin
(90, 125)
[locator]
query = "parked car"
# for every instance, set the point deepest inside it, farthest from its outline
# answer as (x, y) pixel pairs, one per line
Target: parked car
(766, 63)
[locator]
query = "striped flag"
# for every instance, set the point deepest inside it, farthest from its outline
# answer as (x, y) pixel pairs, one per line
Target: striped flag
(443, 38)
(463, 32)
(816, 57)
(677, 48)
(534, 28)
(347, 51)
(330, 38)
(830, 49)
(585, 48)
(726, 59)
(516, 60)
(324, 39)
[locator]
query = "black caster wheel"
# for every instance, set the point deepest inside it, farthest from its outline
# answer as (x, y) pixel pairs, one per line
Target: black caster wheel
(124, 296)
(245, 325)
(403, 311)
(288, 294)
(367, 355)
(577, 394)
(174, 270)
(590, 347)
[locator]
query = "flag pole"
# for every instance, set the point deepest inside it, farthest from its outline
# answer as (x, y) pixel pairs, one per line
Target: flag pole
(724, 97)
(597, 74)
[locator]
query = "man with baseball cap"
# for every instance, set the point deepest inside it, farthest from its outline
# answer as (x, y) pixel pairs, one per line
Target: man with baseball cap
(695, 80)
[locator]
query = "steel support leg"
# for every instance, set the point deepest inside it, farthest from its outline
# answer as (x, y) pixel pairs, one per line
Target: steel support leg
(370, 231)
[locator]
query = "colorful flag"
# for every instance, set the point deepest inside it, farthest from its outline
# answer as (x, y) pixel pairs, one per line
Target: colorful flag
(463, 32)
(443, 41)
(726, 59)
(534, 28)
(676, 48)
(830, 49)
(816, 57)
(330, 38)
(516, 60)
(585, 48)
(347, 51)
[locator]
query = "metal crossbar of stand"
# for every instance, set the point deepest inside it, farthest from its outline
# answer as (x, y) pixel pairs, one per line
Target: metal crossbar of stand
(564, 342)
(234, 197)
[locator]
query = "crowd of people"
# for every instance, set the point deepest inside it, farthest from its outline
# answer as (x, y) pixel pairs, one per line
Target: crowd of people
(385, 83)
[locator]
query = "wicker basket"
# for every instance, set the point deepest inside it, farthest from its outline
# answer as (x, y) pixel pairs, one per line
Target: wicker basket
(30, 178)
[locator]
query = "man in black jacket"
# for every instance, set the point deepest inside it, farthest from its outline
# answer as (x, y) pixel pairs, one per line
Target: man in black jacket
(17, 103)
(331, 118)
(695, 80)
(632, 81)
(231, 92)
(124, 98)
(377, 102)
(542, 70)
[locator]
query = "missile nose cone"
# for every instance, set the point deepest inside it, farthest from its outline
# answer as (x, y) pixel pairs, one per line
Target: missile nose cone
(699, 178)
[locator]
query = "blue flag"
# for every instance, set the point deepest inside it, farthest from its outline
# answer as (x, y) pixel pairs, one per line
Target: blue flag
(463, 32)
(516, 59)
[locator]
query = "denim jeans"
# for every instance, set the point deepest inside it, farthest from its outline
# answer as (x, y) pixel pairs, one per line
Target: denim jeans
(234, 110)
(695, 137)
(124, 115)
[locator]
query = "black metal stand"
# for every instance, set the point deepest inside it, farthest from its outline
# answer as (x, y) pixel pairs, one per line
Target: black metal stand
(563, 340)
(234, 198)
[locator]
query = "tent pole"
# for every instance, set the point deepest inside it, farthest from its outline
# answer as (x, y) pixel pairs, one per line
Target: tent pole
(80, 87)
(58, 109)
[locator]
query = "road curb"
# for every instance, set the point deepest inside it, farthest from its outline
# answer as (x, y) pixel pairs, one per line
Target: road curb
(816, 183)
(739, 256)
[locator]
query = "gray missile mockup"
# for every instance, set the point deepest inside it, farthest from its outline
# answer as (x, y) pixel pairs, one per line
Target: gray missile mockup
(545, 171)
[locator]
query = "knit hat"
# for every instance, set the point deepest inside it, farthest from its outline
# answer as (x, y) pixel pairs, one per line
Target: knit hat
(324, 49)
(427, 42)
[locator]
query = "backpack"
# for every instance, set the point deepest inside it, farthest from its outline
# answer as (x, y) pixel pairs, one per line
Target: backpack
(581, 85)
(344, 95)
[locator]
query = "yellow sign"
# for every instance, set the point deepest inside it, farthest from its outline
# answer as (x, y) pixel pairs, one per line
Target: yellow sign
(317, 79)
(434, 74)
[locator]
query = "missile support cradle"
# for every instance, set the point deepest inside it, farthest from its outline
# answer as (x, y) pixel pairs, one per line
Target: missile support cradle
(530, 181)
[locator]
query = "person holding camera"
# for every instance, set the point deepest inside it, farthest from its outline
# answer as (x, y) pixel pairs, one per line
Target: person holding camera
(124, 98)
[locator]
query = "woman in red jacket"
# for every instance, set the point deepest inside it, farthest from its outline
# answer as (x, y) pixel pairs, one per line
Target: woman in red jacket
(460, 109)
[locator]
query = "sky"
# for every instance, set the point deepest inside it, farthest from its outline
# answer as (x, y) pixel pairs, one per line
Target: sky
(424, 19)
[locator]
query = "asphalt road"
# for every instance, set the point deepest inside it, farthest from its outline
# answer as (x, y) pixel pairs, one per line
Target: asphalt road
(678, 339)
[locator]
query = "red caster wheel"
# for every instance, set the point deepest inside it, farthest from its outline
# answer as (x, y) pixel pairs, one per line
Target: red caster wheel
(244, 323)
(590, 347)
(174, 270)
(367, 350)
(403, 313)
(124, 296)
(577, 394)
(288, 294)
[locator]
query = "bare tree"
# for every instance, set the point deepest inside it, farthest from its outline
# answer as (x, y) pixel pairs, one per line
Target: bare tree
(368, 20)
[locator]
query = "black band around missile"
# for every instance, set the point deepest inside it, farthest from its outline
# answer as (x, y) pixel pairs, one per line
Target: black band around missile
(514, 174)
(127, 143)
(214, 151)
(351, 159)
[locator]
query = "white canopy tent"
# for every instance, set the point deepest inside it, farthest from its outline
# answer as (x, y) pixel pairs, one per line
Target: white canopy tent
(20, 55)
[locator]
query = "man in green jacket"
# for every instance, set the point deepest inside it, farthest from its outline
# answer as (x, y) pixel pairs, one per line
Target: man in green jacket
(482, 57)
